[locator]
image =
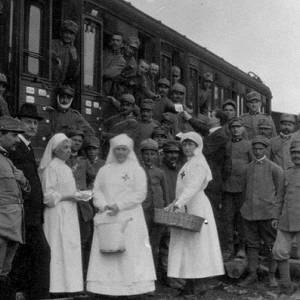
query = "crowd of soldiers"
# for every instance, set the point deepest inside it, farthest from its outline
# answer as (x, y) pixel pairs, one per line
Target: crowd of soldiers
(248, 161)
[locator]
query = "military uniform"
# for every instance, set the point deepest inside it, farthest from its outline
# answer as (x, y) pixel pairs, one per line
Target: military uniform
(289, 224)
(157, 197)
(65, 67)
(252, 120)
(66, 120)
(4, 111)
(263, 192)
(238, 156)
(11, 208)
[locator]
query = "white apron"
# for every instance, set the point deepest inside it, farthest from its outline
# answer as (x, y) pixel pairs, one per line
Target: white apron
(131, 272)
(194, 254)
(61, 229)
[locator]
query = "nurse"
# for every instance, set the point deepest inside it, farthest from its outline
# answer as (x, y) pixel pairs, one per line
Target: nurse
(194, 255)
(119, 190)
(61, 224)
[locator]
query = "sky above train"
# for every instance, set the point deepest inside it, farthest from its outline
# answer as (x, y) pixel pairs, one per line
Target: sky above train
(261, 36)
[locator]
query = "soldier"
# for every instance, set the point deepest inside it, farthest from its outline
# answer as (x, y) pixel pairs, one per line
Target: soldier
(31, 266)
(260, 211)
(113, 62)
(65, 59)
(280, 145)
(205, 94)
(169, 122)
(157, 194)
(141, 89)
(163, 103)
(92, 150)
(123, 122)
(265, 128)
(237, 156)
(146, 125)
(152, 77)
(229, 108)
(178, 94)
(83, 173)
(288, 228)
(176, 74)
(251, 119)
(12, 183)
(131, 47)
(64, 118)
(4, 111)
(171, 166)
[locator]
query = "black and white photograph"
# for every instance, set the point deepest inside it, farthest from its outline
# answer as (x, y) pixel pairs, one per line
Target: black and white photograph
(149, 150)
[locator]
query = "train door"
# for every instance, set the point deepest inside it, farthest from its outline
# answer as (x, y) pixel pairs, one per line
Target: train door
(34, 69)
(91, 58)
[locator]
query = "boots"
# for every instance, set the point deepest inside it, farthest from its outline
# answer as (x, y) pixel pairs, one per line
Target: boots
(252, 265)
(272, 270)
(286, 285)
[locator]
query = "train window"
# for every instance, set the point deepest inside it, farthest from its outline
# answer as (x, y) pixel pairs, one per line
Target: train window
(92, 54)
(36, 48)
(34, 38)
(11, 22)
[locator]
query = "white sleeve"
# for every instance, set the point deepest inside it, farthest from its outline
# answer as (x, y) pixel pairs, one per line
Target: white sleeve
(138, 195)
(195, 180)
(49, 184)
(99, 199)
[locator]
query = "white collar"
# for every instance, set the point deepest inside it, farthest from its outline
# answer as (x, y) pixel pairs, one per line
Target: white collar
(24, 140)
(212, 130)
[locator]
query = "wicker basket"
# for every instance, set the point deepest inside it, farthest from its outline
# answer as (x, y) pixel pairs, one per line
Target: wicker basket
(178, 219)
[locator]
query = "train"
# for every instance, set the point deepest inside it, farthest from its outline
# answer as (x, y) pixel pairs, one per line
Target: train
(28, 27)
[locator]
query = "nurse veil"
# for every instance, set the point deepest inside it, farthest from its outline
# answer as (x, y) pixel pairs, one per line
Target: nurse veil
(120, 187)
(194, 254)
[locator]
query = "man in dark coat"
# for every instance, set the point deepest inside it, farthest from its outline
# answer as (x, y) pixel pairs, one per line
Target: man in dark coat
(31, 265)
(214, 146)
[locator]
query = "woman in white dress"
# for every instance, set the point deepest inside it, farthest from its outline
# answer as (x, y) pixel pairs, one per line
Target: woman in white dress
(119, 190)
(194, 255)
(61, 225)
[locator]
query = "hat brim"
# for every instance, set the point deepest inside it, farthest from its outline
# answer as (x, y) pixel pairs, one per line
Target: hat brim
(39, 118)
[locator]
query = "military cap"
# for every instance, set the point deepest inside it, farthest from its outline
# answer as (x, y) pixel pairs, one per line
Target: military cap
(175, 70)
(264, 123)
(208, 77)
(229, 102)
(3, 78)
(163, 81)
(69, 25)
(159, 131)
(74, 132)
(149, 144)
(170, 145)
(253, 95)
(178, 87)
(10, 124)
(236, 122)
(65, 90)
(133, 41)
(288, 118)
(127, 98)
(260, 139)
(93, 141)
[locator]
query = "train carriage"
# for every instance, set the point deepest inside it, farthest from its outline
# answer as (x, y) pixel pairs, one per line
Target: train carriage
(28, 27)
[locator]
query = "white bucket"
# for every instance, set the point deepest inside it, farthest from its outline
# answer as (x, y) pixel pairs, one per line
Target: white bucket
(112, 236)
